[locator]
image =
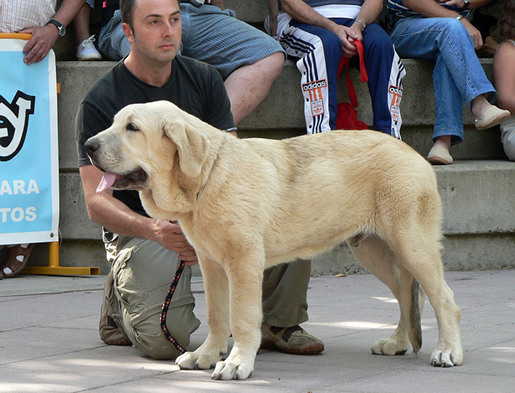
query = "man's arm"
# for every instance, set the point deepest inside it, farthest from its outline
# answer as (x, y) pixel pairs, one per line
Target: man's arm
(433, 9)
(106, 210)
(43, 38)
(504, 75)
(302, 12)
(273, 12)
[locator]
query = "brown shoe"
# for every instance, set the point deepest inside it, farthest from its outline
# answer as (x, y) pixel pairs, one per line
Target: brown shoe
(293, 340)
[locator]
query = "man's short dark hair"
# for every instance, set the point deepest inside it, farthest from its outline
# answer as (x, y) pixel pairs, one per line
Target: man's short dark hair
(127, 10)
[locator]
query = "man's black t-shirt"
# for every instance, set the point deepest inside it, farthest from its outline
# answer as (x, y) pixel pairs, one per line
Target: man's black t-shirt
(195, 87)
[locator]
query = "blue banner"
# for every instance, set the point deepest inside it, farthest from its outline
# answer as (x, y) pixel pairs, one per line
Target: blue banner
(29, 172)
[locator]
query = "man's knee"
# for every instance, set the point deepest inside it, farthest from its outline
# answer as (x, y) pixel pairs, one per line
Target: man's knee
(148, 337)
(377, 41)
(275, 63)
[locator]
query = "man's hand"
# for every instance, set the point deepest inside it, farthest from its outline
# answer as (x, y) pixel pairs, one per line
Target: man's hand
(170, 236)
(474, 33)
(347, 37)
(42, 40)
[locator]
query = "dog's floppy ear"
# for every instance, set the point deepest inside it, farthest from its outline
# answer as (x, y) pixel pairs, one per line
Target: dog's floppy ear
(192, 145)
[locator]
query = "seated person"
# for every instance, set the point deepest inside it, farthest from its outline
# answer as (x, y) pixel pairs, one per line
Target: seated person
(320, 32)
(504, 74)
(436, 31)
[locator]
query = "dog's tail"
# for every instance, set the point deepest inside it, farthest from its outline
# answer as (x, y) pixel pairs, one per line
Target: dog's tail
(416, 306)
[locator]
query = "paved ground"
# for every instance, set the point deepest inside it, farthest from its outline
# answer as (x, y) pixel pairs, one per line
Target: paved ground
(49, 342)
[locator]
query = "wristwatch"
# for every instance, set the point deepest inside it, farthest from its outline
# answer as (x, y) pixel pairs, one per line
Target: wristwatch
(362, 23)
(60, 27)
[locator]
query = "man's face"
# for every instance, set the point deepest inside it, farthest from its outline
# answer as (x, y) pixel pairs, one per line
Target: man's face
(156, 30)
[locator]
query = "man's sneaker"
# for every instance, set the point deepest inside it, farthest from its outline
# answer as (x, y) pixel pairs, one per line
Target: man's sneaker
(87, 51)
(290, 340)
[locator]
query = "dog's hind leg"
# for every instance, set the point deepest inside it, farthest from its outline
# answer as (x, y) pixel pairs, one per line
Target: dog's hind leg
(214, 347)
(379, 259)
(420, 254)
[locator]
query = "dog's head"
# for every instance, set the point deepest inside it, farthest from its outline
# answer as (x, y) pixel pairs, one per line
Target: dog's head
(146, 144)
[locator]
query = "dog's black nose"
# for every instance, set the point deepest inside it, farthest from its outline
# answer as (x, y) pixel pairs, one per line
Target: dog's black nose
(91, 146)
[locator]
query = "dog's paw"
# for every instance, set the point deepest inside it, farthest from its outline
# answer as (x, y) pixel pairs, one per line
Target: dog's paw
(447, 357)
(230, 370)
(389, 347)
(196, 361)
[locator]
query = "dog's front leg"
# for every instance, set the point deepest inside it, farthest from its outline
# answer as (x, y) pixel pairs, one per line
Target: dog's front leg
(245, 282)
(214, 347)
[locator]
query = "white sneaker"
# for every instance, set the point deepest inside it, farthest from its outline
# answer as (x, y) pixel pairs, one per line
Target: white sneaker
(87, 51)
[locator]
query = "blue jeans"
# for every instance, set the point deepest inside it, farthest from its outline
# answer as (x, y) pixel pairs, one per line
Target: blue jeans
(112, 41)
(457, 77)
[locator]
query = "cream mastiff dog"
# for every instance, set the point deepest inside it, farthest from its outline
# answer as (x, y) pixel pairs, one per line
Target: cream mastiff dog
(248, 204)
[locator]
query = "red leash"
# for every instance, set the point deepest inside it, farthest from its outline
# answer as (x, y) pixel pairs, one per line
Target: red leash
(166, 305)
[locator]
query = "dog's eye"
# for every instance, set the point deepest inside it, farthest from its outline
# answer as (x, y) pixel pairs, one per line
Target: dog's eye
(131, 127)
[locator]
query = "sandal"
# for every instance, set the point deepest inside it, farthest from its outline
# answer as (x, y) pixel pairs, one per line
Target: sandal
(439, 155)
(16, 260)
(491, 117)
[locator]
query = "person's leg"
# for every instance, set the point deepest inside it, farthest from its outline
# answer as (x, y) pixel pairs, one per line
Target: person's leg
(458, 77)
(385, 72)
(410, 39)
(85, 42)
(248, 85)
(285, 289)
(285, 308)
(81, 24)
(448, 128)
(142, 273)
(112, 41)
(320, 52)
(508, 137)
(428, 37)
(248, 59)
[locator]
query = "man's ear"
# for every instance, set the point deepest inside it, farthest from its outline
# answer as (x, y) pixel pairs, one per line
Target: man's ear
(128, 32)
(192, 146)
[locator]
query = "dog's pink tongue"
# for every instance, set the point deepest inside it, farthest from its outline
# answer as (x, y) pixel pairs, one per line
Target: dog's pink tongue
(107, 181)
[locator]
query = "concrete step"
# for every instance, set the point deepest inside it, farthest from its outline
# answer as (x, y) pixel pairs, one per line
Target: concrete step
(281, 115)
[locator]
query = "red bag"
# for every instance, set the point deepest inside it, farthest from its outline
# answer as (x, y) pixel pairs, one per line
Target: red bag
(347, 116)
